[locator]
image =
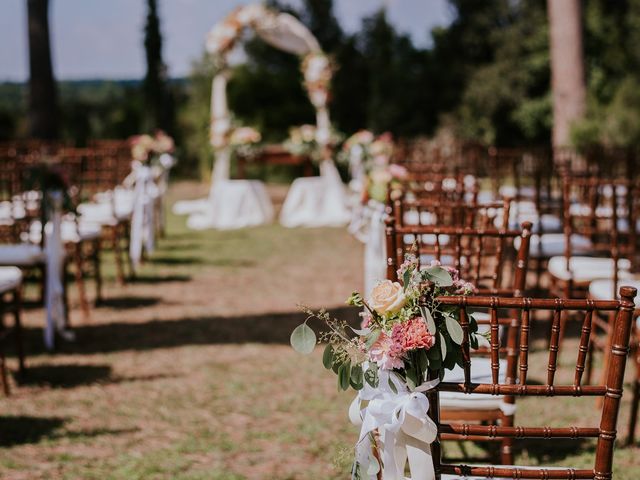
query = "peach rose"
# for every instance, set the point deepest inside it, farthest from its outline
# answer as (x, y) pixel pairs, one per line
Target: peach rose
(387, 297)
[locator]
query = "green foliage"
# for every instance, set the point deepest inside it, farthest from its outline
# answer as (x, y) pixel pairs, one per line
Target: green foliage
(303, 339)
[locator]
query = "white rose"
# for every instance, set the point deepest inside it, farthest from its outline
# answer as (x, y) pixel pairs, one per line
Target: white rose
(387, 297)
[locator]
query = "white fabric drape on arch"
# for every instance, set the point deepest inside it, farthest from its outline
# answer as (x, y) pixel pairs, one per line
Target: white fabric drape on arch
(231, 204)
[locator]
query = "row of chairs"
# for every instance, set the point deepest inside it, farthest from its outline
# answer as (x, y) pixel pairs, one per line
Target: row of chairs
(99, 190)
(445, 217)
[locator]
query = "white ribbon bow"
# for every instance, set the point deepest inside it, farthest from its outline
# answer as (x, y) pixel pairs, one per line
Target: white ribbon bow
(143, 216)
(405, 431)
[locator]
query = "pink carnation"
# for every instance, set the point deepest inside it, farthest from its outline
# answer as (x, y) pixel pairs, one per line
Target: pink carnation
(413, 335)
(387, 352)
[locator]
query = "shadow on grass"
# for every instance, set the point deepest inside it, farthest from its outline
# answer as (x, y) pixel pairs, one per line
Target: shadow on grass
(177, 260)
(25, 429)
(160, 278)
(63, 376)
(129, 302)
(550, 451)
(114, 337)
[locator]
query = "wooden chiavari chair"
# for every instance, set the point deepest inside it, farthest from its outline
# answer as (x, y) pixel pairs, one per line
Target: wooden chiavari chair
(601, 214)
(455, 187)
(483, 256)
(105, 202)
(610, 389)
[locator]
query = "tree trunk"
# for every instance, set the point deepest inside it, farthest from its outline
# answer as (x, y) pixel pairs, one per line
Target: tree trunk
(43, 104)
(567, 67)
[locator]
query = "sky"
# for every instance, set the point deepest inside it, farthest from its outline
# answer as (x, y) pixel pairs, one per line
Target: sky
(103, 38)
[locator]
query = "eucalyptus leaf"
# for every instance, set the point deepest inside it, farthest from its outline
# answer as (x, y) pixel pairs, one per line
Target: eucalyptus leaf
(428, 318)
(344, 375)
(372, 338)
(439, 276)
(327, 357)
(454, 329)
(303, 339)
(443, 345)
(406, 278)
(357, 377)
(371, 375)
(412, 379)
(473, 324)
(392, 385)
(423, 362)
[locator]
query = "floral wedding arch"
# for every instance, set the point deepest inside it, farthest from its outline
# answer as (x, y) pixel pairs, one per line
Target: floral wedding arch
(282, 31)
(241, 203)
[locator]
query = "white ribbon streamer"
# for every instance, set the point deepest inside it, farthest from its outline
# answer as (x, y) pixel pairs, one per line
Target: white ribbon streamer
(405, 431)
(143, 216)
(54, 253)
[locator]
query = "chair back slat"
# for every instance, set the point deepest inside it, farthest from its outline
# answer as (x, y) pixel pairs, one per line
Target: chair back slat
(552, 364)
(583, 348)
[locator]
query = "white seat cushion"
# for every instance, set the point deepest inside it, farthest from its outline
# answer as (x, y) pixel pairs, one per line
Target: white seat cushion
(426, 239)
(553, 244)
(602, 289)
(70, 231)
(100, 214)
(21, 255)
(10, 278)
(586, 269)
(480, 373)
(413, 217)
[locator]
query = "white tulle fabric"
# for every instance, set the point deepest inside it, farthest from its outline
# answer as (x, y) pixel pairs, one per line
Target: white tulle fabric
(54, 260)
(143, 217)
(316, 201)
(231, 204)
(367, 225)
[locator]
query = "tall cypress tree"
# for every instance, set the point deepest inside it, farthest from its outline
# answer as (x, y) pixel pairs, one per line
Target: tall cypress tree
(43, 104)
(158, 102)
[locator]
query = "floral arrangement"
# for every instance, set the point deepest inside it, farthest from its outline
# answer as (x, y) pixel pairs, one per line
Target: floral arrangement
(404, 329)
(221, 38)
(317, 70)
(369, 159)
(245, 142)
(406, 342)
(145, 147)
(303, 141)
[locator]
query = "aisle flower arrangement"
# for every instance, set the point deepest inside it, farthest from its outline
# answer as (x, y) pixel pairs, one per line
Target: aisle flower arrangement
(369, 158)
(245, 142)
(406, 342)
(146, 148)
(303, 141)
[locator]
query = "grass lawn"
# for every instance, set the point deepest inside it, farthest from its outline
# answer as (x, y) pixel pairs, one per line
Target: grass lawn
(186, 373)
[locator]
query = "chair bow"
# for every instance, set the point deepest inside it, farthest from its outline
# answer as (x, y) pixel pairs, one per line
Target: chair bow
(405, 431)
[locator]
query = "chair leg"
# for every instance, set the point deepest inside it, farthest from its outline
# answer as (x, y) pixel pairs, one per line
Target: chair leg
(17, 305)
(635, 398)
(79, 276)
(95, 254)
(126, 227)
(115, 243)
(3, 373)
